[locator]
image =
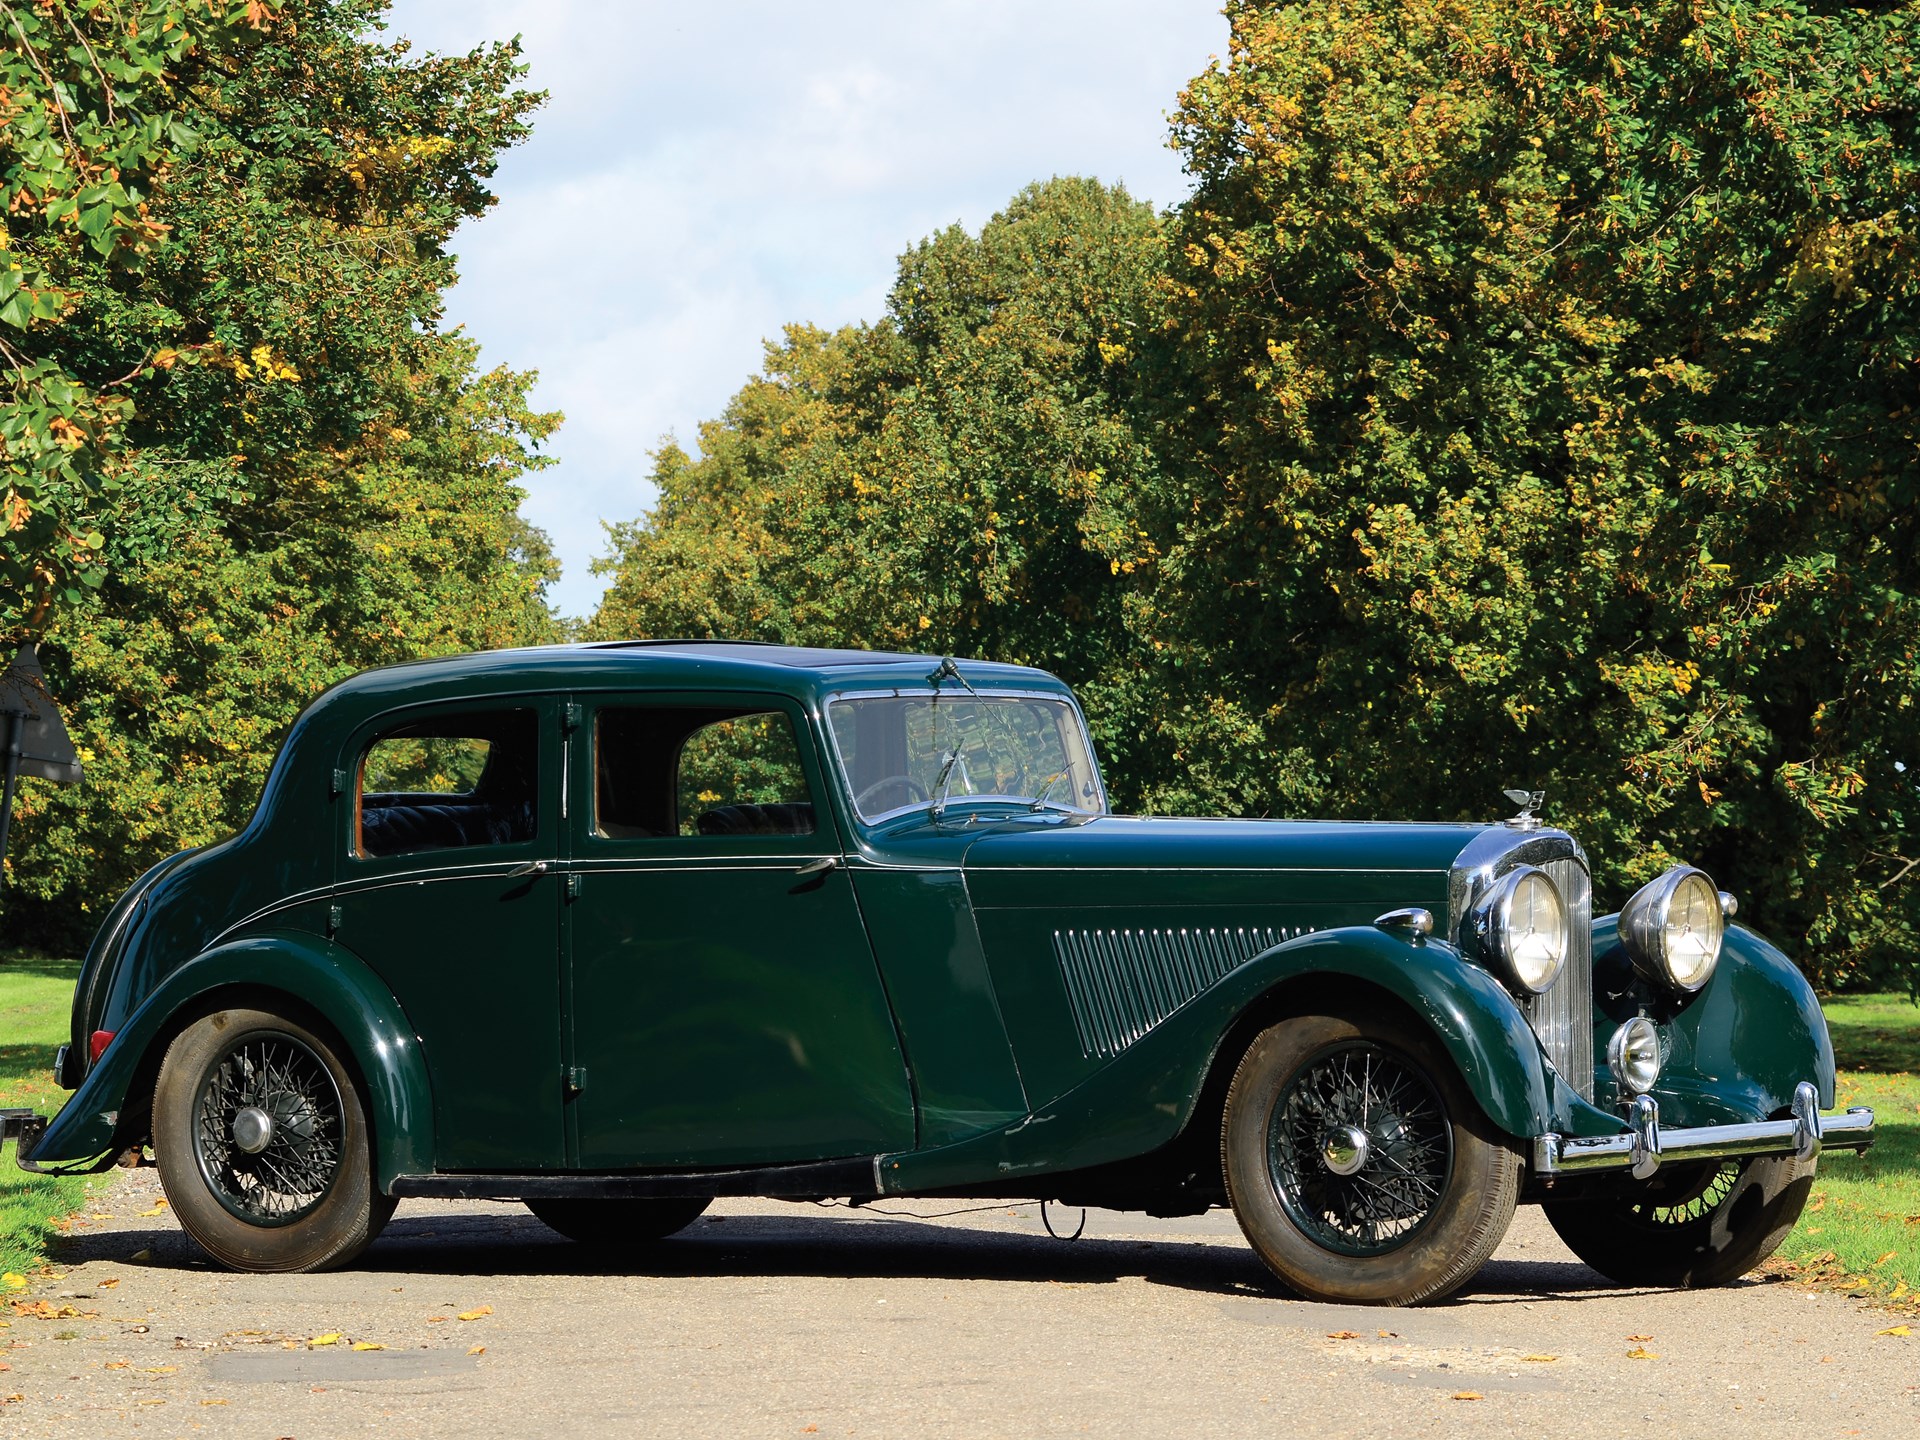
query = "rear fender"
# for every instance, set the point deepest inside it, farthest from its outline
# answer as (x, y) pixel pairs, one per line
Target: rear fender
(326, 979)
(1146, 1096)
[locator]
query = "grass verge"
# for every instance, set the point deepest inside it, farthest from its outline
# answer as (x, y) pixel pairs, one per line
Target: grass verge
(36, 995)
(1861, 1228)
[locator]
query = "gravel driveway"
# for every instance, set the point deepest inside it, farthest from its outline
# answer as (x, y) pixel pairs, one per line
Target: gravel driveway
(771, 1319)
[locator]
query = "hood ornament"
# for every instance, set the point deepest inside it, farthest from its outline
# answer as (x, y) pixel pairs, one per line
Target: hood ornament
(1528, 801)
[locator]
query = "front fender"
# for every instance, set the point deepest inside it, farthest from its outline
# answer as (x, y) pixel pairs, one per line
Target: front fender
(327, 979)
(1148, 1093)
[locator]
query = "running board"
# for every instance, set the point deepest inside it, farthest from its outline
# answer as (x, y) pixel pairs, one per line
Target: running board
(857, 1177)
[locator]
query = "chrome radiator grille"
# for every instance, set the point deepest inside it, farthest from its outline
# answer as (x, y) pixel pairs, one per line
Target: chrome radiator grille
(1563, 1017)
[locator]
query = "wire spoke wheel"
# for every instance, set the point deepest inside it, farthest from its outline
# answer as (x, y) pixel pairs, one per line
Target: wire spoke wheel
(263, 1143)
(1359, 1149)
(1359, 1165)
(267, 1129)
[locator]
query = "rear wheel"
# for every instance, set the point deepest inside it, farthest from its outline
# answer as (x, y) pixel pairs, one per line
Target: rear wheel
(262, 1144)
(617, 1224)
(1708, 1225)
(1359, 1166)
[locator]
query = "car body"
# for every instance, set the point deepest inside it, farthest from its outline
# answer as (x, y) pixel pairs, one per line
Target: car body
(618, 928)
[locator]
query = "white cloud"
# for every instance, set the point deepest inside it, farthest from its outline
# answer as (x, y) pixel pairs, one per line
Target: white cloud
(703, 175)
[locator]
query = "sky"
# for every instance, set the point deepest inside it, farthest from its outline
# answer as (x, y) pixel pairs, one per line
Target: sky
(704, 174)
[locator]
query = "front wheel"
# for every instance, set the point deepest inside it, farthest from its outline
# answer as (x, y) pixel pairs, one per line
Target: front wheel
(262, 1144)
(1358, 1165)
(1705, 1225)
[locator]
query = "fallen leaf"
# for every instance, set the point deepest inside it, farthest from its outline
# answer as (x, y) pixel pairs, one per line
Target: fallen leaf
(478, 1350)
(475, 1314)
(1895, 1330)
(213, 1402)
(1639, 1338)
(1468, 1395)
(809, 1429)
(332, 1337)
(1344, 1335)
(108, 1284)
(1539, 1359)
(1883, 1259)
(11, 1281)
(436, 1319)
(367, 1345)
(1388, 1334)
(159, 1369)
(1640, 1352)
(140, 1257)
(159, 1208)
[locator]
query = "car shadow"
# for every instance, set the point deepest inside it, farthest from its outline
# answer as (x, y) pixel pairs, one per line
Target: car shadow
(859, 1245)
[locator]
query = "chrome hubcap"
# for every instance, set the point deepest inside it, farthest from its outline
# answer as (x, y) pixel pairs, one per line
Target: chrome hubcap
(1345, 1149)
(252, 1129)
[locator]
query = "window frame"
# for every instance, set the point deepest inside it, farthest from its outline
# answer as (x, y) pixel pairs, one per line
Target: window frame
(588, 843)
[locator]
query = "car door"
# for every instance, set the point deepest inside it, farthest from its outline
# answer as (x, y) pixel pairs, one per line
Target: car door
(448, 887)
(724, 1006)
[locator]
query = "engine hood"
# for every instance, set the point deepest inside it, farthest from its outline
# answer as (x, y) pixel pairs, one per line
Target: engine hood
(1125, 842)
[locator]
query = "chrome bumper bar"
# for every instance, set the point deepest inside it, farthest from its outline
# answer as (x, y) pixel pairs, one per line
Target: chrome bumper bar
(1645, 1145)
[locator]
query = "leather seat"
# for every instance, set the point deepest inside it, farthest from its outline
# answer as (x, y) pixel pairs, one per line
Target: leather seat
(783, 819)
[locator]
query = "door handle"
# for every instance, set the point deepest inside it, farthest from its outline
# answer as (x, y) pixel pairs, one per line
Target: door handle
(819, 867)
(527, 867)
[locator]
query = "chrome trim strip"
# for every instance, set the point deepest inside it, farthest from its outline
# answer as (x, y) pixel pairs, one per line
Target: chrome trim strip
(284, 903)
(1646, 1147)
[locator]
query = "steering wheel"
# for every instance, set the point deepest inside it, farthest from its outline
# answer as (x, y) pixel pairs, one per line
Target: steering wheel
(915, 790)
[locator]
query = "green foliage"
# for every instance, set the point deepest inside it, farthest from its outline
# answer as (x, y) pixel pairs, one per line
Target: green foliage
(36, 994)
(90, 123)
(316, 478)
(1524, 396)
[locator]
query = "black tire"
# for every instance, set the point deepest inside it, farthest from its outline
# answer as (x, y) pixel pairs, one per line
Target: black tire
(617, 1224)
(1434, 1186)
(1708, 1225)
(304, 1199)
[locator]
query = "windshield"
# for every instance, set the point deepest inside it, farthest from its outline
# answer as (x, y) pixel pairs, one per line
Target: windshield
(913, 752)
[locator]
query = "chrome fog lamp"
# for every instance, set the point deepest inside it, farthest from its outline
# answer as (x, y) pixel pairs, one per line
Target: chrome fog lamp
(1633, 1055)
(1672, 929)
(1522, 924)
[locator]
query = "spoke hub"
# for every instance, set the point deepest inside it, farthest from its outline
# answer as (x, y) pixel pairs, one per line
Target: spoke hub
(252, 1129)
(1346, 1149)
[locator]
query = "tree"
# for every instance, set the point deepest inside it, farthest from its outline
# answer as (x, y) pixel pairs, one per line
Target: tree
(314, 477)
(953, 477)
(1548, 417)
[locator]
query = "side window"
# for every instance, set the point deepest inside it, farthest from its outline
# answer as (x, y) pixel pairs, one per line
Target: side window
(709, 772)
(452, 781)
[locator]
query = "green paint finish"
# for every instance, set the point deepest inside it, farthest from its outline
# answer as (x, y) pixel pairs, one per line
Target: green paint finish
(1734, 1051)
(725, 1008)
(997, 994)
(1145, 1096)
(252, 972)
(964, 1074)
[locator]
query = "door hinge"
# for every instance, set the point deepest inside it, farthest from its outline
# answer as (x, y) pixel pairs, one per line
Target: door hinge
(339, 782)
(573, 887)
(573, 713)
(333, 921)
(576, 1079)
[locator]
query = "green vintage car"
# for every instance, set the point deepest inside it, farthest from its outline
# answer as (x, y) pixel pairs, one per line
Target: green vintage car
(614, 929)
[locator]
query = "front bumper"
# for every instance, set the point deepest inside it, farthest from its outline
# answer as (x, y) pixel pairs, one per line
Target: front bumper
(1645, 1146)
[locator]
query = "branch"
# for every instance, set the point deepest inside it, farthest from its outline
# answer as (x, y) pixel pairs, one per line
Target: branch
(53, 91)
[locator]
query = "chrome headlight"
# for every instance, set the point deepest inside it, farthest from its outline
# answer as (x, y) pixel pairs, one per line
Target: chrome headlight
(1672, 929)
(1522, 925)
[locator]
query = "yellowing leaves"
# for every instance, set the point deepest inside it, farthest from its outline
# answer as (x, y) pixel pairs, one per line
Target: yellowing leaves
(477, 1313)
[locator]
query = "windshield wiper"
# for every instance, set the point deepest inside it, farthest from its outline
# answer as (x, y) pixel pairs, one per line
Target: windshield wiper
(1040, 801)
(944, 779)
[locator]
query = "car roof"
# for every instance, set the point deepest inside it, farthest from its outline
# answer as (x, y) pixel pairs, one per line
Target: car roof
(792, 670)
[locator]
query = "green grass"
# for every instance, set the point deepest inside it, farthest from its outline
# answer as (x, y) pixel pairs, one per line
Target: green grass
(36, 994)
(1861, 1228)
